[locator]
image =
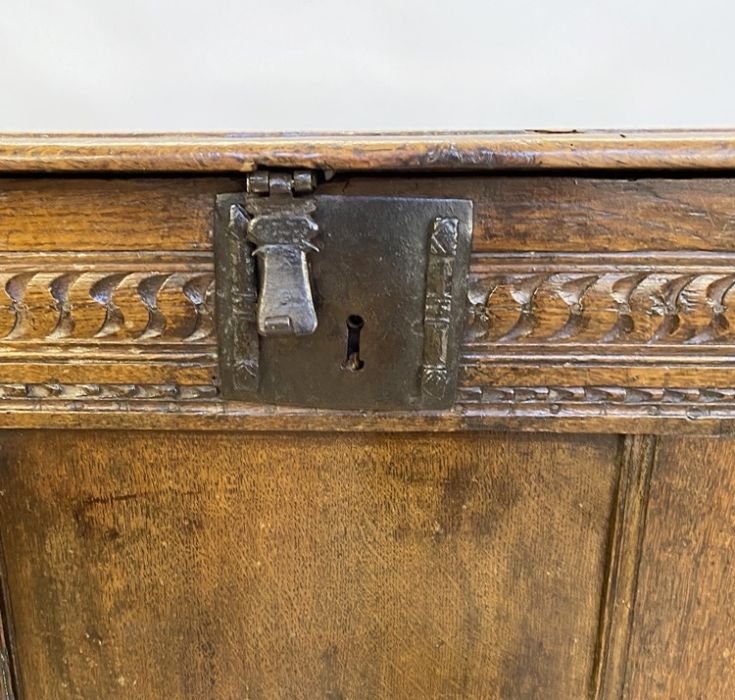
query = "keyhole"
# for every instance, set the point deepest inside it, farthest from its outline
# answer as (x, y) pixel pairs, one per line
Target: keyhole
(353, 363)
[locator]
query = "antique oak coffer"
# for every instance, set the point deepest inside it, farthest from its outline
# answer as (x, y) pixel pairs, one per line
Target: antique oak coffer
(364, 416)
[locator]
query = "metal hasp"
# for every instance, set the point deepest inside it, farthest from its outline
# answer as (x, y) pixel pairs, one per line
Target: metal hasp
(387, 286)
(281, 228)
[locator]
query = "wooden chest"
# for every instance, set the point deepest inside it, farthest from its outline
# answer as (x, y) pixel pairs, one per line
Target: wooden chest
(559, 523)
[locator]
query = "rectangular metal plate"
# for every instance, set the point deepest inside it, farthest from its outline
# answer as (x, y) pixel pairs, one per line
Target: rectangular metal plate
(400, 264)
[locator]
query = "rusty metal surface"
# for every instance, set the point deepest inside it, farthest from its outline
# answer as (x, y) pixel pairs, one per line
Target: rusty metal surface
(389, 291)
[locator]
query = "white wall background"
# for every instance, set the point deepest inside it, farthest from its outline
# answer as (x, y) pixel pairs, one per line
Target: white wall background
(132, 65)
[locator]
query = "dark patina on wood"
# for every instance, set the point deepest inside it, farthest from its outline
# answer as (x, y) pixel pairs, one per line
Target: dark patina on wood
(303, 552)
(596, 302)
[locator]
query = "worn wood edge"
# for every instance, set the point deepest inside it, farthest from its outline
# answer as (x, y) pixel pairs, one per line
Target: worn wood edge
(430, 151)
(155, 415)
(627, 529)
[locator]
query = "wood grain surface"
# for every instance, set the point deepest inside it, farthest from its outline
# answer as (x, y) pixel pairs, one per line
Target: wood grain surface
(437, 151)
(38, 215)
(305, 566)
(627, 529)
(594, 303)
(582, 213)
(311, 554)
(683, 641)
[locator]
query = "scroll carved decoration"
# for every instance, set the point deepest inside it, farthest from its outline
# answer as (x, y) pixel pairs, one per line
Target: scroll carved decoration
(104, 300)
(95, 328)
(545, 332)
(107, 392)
(643, 301)
(689, 403)
(153, 313)
(561, 395)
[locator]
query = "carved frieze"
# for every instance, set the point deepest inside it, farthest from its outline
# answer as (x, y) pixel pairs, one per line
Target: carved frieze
(577, 299)
(103, 298)
(656, 329)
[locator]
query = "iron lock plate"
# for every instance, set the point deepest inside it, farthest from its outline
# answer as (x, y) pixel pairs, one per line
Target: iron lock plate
(388, 282)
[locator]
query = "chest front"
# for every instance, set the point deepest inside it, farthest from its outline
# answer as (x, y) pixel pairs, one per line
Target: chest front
(410, 429)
